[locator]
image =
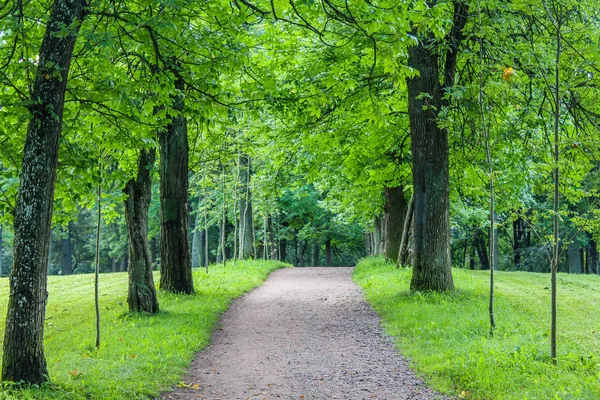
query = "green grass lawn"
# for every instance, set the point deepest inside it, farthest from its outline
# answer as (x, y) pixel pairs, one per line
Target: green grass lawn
(446, 335)
(140, 355)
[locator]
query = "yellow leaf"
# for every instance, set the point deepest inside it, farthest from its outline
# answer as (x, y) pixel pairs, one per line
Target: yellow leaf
(508, 73)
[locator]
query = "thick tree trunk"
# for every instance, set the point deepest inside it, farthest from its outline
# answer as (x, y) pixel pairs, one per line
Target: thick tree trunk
(395, 213)
(315, 254)
(246, 241)
(175, 257)
(432, 267)
(141, 296)
(66, 252)
(574, 258)
(114, 264)
(403, 253)
(23, 358)
(328, 252)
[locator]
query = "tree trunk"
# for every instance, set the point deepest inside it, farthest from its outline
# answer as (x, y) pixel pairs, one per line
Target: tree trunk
(481, 248)
(328, 252)
(115, 264)
(378, 236)
(124, 263)
(141, 296)
(406, 230)
(574, 258)
(220, 243)
(1, 250)
(198, 259)
(518, 231)
(282, 249)
(272, 241)
(23, 358)
(66, 252)
(300, 260)
(315, 259)
(432, 267)
(394, 214)
(246, 241)
(175, 257)
(154, 251)
(592, 257)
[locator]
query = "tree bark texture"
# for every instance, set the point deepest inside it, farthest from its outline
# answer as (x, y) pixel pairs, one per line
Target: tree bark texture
(431, 248)
(175, 257)
(141, 296)
(394, 214)
(23, 358)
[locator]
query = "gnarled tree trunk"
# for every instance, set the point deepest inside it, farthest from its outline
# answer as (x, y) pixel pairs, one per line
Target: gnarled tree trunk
(141, 296)
(23, 358)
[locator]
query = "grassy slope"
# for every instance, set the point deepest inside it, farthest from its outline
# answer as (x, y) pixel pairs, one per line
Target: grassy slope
(139, 355)
(446, 335)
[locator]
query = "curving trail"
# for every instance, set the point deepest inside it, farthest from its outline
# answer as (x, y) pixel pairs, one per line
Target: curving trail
(307, 333)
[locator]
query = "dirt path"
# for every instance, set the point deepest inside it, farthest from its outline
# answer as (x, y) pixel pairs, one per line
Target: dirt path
(307, 334)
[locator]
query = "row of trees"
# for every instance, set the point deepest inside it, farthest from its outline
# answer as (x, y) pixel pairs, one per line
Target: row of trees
(300, 121)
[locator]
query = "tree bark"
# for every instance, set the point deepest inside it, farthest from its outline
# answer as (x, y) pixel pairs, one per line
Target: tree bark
(395, 213)
(175, 257)
(141, 296)
(403, 258)
(432, 267)
(23, 358)
(328, 252)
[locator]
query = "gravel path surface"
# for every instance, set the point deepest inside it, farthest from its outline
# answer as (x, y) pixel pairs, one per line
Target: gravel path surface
(307, 333)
